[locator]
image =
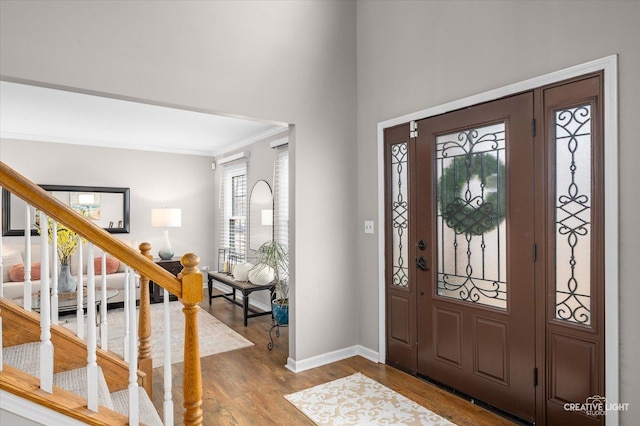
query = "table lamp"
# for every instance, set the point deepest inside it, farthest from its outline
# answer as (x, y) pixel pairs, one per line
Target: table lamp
(166, 218)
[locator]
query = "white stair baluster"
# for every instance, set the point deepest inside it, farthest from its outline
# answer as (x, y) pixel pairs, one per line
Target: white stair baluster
(80, 295)
(92, 365)
(127, 283)
(167, 406)
(46, 347)
(104, 326)
(133, 359)
(27, 260)
(54, 272)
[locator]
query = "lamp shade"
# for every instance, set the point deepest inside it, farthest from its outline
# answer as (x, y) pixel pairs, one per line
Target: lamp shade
(166, 217)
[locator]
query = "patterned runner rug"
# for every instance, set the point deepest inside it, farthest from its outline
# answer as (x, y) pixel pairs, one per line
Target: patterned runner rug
(215, 337)
(359, 400)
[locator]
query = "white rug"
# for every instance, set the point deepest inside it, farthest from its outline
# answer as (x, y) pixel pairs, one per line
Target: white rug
(359, 400)
(215, 337)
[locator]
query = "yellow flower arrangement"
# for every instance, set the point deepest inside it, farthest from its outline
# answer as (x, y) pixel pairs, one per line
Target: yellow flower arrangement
(67, 242)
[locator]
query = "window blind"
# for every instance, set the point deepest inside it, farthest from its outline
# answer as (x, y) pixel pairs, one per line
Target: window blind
(281, 196)
(233, 209)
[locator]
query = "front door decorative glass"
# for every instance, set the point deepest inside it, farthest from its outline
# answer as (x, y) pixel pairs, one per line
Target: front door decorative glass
(573, 214)
(471, 211)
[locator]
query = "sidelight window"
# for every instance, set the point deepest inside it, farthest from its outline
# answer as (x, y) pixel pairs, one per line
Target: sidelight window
(399, 214)
(573, 147)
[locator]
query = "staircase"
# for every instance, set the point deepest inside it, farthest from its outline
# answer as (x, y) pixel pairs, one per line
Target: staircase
(26, 358)
(46, 364)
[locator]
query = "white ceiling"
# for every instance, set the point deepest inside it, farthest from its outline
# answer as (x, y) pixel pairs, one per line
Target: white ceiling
(51, 115)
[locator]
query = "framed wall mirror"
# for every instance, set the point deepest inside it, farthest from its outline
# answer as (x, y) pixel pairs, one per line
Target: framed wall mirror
(260, 215)
(106, 207)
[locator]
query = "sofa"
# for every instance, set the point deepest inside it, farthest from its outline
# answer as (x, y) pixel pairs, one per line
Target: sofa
(13, 271)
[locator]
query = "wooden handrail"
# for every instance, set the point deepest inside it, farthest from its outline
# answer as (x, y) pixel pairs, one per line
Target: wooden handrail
(38, 197)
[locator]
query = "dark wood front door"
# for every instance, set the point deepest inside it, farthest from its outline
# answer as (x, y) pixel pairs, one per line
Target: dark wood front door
(495, 251)
(475, 278)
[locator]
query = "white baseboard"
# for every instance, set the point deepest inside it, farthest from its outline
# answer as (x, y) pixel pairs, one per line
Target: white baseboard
(328, 358)
(318, 360)
(252, 301)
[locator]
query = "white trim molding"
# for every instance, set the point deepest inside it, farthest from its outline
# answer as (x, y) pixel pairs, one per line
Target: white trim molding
(329, 357)
(609, 65)
(279, 142)
(233, 157)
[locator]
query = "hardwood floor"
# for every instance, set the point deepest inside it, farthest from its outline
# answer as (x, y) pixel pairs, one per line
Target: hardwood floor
(247, 386)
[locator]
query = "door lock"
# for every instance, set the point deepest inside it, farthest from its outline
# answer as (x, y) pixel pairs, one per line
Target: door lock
(422, 245)
(422, 263)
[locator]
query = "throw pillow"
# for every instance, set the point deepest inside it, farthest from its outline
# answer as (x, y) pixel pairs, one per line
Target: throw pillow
(112, 265)
(8, 260)
(16, 272)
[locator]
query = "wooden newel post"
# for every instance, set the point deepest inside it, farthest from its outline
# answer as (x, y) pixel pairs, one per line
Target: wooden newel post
(145, 361)
(192, 377)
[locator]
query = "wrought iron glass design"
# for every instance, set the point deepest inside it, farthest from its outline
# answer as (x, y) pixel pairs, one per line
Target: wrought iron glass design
(573, 141)
(471, 230)
(399, 214)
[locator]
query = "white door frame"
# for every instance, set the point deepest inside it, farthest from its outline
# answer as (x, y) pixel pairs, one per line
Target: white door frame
(610, 66)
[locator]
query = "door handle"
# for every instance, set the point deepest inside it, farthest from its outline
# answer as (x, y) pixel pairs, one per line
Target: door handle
(422, 263)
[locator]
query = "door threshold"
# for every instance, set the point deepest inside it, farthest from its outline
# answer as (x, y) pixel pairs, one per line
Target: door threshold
(515, 419)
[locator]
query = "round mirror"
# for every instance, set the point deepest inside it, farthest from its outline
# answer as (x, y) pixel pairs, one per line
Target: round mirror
(260, 215)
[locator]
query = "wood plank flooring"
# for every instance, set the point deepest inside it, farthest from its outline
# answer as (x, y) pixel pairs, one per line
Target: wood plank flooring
(247, 386)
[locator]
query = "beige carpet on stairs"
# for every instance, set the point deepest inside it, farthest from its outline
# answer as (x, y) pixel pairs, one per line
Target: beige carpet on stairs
(147, 413)
(26, 358)
(215, 337)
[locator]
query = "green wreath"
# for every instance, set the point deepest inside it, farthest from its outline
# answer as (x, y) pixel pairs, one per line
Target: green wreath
(464, 212)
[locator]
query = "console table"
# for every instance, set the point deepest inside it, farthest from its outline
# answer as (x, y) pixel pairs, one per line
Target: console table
(155, 291)
(246, 288)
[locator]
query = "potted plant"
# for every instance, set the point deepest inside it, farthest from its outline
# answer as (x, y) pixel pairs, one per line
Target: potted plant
(272, 264)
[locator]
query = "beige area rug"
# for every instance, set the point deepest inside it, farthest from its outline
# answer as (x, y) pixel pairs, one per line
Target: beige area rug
(359, 400)
(215, 337)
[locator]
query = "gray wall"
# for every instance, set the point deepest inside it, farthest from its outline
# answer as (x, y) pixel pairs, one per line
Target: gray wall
(293, 62)
(156, 180)
(413, 55)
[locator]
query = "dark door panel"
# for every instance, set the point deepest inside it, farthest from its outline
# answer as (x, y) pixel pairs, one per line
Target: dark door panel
(474, 204)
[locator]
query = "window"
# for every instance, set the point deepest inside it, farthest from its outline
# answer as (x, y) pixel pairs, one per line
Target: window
(233, 202)
(281, 196)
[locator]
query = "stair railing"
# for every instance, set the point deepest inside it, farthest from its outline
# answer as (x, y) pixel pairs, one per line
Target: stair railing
(188, 289)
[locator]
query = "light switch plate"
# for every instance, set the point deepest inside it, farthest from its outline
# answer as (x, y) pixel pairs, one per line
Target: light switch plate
(368, 227)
